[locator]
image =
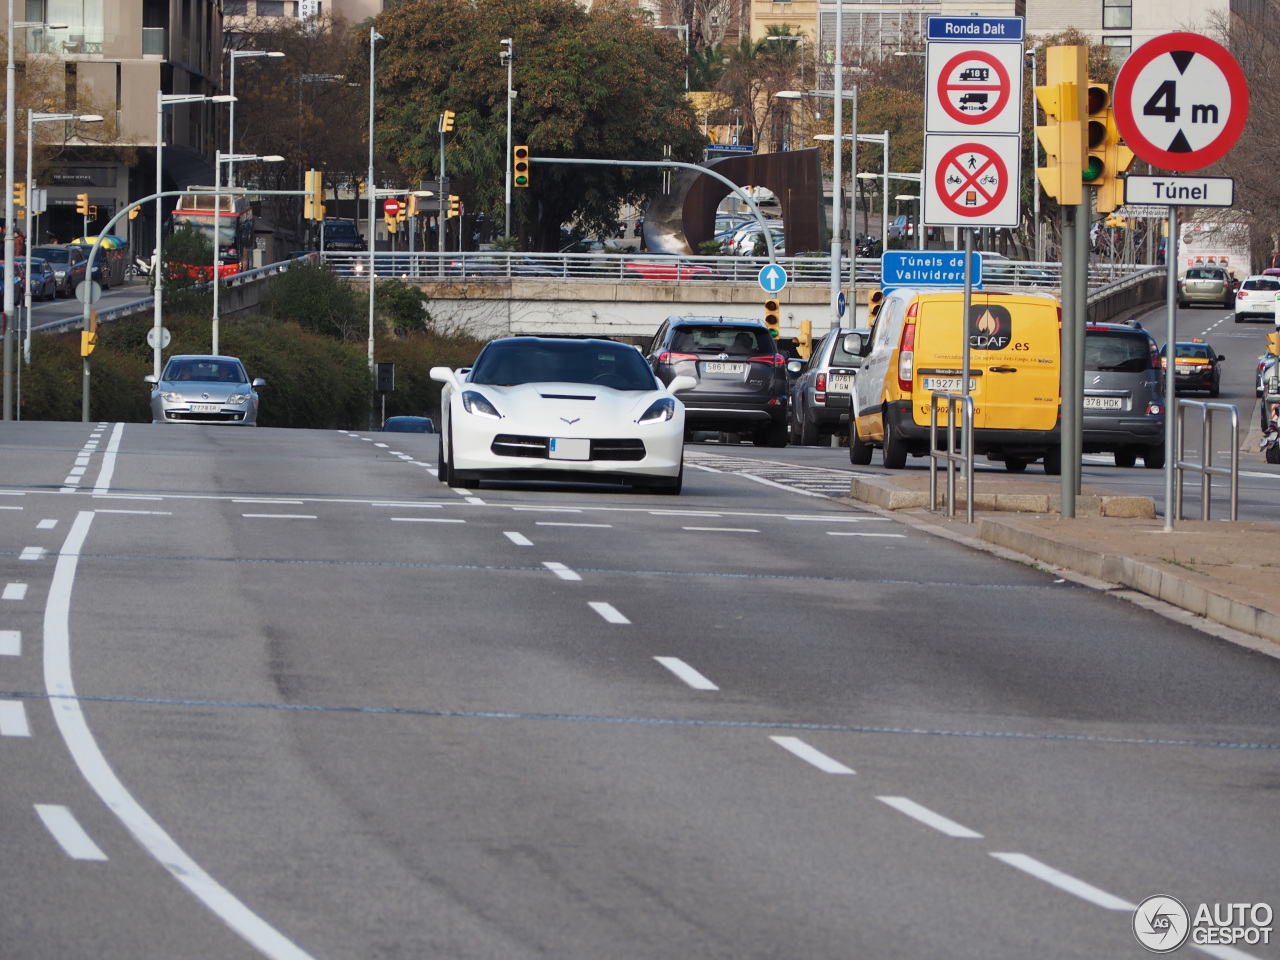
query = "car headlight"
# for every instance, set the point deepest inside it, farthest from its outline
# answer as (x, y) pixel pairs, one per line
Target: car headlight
(659, 411)
(475, 403)
(171, 397)
(237, 398)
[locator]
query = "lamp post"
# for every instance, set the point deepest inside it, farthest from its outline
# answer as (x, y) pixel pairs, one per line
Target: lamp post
(231, 119)
(218, 160)
(781, 39)
(374, 37)
(508, 54)
(163, 100)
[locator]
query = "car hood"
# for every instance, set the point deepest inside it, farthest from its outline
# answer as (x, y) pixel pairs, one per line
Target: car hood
(568, 408)
(197, 392)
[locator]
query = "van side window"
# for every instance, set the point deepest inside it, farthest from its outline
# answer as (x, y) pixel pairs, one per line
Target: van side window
(887, 323)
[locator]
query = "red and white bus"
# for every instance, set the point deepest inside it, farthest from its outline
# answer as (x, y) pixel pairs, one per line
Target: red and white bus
(235, 229)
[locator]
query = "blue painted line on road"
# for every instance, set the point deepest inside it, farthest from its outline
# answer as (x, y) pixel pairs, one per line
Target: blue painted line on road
(645, 721)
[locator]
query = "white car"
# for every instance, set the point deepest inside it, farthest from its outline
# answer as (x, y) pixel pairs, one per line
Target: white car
(1257, 298)
(585, 410)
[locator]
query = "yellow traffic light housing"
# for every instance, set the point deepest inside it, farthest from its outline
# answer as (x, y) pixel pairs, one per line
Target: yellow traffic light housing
(82, 204)
(446, 121)
(1273, 344)
(19, 194)
(455, 206)
(359, 186)
(411, 207)
(403, 213)
(313, 200)
(390, 220)
(805, 345)
(1109, 159)
(520, 156)
(133, 212)
(772, 317)
(875, 300)
(1064, 101)
(89, 338)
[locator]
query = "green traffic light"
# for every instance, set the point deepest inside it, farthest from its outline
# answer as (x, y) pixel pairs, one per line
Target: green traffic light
(1094, 170)
(521, 180)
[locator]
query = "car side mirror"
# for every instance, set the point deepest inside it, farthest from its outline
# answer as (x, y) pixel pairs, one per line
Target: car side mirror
(259, 382)
(444, 375)
(682, 382)
(151, 378)
(796, 366)
(1221, 357)
(854, 344)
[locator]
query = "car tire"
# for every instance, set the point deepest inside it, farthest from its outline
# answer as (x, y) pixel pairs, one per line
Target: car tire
(1273, 453)
(1053, 462)
(669, 489)
(446, 472)
(1015, 465)
(1126, 457)
(1153, 458)
(895, 449)
(808, 431)
(1184, 304)
(1213, 391)
(859, 452)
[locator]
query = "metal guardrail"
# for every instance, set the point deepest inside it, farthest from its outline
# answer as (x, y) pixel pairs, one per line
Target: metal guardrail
(1129, 280)
(963, 457)
(1205, 467)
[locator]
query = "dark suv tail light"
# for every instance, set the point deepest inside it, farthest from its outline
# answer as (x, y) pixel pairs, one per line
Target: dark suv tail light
(776, 359)
(669, 357)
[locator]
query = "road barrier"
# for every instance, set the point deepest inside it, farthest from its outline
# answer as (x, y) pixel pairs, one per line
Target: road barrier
(964, 457)
(1205, 467)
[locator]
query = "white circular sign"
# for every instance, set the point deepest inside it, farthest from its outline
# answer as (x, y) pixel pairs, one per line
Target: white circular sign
(1161, 924)
(90, 289)
(164, 337)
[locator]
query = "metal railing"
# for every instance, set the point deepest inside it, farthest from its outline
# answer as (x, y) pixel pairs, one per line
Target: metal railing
(1205, 467)
(963, 457)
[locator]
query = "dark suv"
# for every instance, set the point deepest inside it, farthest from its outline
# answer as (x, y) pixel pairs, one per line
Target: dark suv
(742, 378)
(1123, 404)
(342, 235)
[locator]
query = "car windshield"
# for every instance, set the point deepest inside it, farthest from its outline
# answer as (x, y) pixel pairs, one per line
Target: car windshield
(1203, 273)
(509, 362)
(340, 230)
(1195, 351)
(1262, 284)
(205, 370)
(1125, 352)
(717, 338)
(54, 256)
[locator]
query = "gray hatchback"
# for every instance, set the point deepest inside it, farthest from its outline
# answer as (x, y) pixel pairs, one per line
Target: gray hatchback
(1123, 405)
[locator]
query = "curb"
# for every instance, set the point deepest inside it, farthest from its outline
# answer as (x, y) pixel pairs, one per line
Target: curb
(887, 497)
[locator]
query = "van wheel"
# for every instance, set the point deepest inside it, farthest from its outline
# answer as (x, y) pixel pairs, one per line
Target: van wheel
(895, 450)
(1053, 462)
(1126, 457)
(808, 432)
(1015, 465)
(1153, 458)
(859, 452)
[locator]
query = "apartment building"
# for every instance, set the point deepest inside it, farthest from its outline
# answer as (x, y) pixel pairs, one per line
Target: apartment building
(1123, 25)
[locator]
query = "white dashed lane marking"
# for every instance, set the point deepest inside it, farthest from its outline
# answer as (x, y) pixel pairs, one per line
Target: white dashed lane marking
(31, 553)
(686, 673)
(279, 516)
(10, 643)
(608, 611)
(851, 533)
(811, 755)
(930, 819)
(519, 539)
(13, 719)
(14, 591)
(427, 520)
(45, 524)
(553, 523)
(67, 831)
(561, 571)
(721, 529)
(1085, 891)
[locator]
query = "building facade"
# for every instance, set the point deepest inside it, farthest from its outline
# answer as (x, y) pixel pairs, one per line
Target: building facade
(1123, 25)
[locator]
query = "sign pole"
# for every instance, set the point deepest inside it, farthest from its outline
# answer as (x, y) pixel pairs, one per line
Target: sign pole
(1066, 410)
(1170, 363)
(1078, 333)
(968, 303)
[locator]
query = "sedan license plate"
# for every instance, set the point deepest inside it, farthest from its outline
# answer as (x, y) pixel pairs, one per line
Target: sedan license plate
(1103, 403)
(842, 383)
(713, 367)
(205, 407)
(562, 448)
(947, 384)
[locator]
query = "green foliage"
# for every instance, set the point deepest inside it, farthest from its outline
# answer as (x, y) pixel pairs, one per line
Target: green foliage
(711, 248)
(401, 307)
(186, 250)
(315, 298)
(416, 394)
(506, 243)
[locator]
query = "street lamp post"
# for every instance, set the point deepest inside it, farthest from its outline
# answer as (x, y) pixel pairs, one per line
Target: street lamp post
(374, 37)
(219, 159)
(837, 117)
(231, 120)
(508, 54)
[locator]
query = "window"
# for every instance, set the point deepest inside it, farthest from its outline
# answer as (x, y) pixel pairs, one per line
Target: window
(271, 8)
(1120, 48)
(1117, 14)
(235, 8)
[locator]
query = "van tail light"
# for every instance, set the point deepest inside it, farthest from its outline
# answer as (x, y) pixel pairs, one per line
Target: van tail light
(776, 359)
(669, 357)
(906, 357)
(820, 388)
(1154, 409)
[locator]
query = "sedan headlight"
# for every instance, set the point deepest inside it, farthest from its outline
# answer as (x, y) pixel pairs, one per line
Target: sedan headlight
(237, 398)
(170, 397)
(659, 411)
(475, 403)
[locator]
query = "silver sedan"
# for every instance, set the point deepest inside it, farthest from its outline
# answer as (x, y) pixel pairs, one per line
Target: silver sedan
(204, 389)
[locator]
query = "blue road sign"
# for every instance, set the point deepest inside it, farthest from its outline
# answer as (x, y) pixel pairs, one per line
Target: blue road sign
(926, 268)
(976, 28)
(841, 303)
(772, 278)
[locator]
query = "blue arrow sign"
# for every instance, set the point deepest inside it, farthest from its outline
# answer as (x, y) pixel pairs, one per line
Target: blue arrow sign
(772, 278)
(841, 303)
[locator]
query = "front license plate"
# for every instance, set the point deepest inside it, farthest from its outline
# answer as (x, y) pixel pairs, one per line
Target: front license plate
(842, 383)
(723, 367)
(947, 384)
(205, 407)
(570, 449)
(1103, 403)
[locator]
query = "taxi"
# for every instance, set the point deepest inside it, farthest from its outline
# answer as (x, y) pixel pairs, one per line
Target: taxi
(1197, 366)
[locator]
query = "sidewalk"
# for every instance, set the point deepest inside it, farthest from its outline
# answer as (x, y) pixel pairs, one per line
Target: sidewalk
(1225, 572)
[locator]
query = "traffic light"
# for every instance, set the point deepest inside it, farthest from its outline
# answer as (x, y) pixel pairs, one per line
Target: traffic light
(521, 158)
(875, 300)
(1273, 344)
(82, 204)
(403, 213)
(390, 220)
(19, 194)
(313, 200)
(455, 206)
(359, 186)
(133, 212)
(89, 338)
(1063, 99)
(446, 121)
(1109, 159)
(771, 317)
(805, 345)
(412, 205)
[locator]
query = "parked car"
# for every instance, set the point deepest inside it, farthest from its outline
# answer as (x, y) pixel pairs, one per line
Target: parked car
(1257, 298)
(342, 235)
(101, 263)
(204, 389)
(408, 425)
(820, 401)
(1123, 402)
(1206, 285)
(1265, 364)
(44, 282)
(739, 375)
(658, 267)
(68, 265)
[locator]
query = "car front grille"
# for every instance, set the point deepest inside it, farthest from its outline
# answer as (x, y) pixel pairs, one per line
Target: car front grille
(223, 417)
(512, 445)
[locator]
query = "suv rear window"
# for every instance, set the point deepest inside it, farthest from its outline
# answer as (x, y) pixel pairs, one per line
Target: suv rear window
(1123, 352)
(1204, 273)
(719, 338)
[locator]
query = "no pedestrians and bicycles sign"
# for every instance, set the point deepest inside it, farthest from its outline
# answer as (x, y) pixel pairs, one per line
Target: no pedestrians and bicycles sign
(973, 121)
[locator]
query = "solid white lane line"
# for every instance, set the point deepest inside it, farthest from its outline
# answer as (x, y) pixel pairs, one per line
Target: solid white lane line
(7, 507)
(31, 553)
(553, 523)
(13, 719)
(686, 673)
(260, 501)
(821, 519)
(126, 496)
(137, 513)
(14, 591)
(108, 467)
(683, 513)
(851, 533)
(99, 775)
(929, 818)
(519, 539)
(560, 570)
(67, 831)
(407, 506)
(807, 753)
(608, 611)
(10, 643)
(45, 524)
(721, 529)
(279, 516)
(546, 509)
(426, 520)
(1085, 891)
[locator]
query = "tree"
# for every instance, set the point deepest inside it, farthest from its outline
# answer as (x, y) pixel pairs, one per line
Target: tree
(593, 83)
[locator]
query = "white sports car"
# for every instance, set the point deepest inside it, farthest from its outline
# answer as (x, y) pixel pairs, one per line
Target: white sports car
(561, 409)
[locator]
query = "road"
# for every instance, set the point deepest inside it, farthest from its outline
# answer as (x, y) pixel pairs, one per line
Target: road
(51, 310)
(283, 694)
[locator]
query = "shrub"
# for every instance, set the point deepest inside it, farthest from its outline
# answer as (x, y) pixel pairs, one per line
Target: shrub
(315, 298)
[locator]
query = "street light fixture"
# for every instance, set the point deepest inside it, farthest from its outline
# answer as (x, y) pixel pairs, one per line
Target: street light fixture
(231, 90)
(218, 160)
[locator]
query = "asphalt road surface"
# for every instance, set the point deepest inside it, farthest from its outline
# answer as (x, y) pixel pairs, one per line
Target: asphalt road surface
(283, 694)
